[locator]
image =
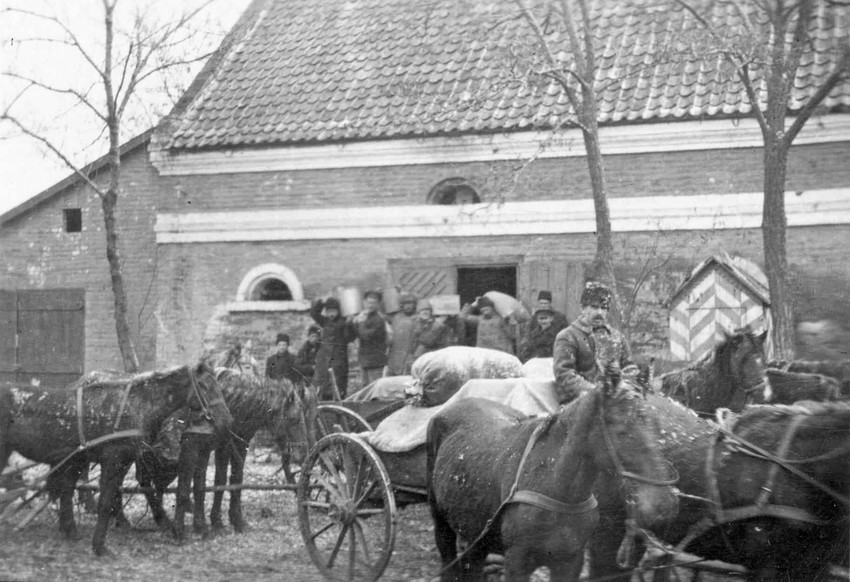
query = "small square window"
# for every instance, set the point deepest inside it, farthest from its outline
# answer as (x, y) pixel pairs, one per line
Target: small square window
(73, 219)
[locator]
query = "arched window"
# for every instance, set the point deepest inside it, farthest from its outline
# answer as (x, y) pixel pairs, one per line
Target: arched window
(453, 191)
(269, 287)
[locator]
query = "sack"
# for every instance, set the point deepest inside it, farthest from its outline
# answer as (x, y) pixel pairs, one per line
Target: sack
(438, 375)
(506, 305)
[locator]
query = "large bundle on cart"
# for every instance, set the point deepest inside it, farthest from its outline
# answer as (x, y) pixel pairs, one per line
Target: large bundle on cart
(438, 375)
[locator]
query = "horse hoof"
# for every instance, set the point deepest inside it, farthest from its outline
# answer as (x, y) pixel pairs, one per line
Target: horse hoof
(103, 552)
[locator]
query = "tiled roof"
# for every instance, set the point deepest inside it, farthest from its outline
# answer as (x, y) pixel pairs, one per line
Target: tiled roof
(296, 71)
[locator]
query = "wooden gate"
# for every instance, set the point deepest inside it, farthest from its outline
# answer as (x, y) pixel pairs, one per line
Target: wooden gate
(42, 335)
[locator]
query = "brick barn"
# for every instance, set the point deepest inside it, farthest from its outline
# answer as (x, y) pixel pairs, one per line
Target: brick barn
(372, 143)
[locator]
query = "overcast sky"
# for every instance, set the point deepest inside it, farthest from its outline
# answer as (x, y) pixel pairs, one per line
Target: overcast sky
(26, 168)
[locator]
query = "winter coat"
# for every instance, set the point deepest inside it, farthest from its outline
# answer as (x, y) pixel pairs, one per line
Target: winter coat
(577, 350)
(539, 343)
(336, 334)
(428, 336)
(372, 334)
(400, 344)
(493, 332)
(306, 359)
(282, 365)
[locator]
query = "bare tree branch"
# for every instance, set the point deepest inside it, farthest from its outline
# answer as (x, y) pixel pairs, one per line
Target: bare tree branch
(81, 98)
(840, 73)
(49, 145)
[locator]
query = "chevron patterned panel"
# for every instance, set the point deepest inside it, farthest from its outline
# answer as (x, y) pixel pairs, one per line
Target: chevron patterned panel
(715, 303)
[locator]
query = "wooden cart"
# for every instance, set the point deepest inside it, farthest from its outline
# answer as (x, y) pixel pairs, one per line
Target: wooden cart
(348, 493)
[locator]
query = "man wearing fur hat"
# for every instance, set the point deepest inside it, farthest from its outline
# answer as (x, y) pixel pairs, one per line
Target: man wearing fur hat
(337, 333)
(544, 303)
(306, 359)
(587, 344)
(371, 331)
(402, 326)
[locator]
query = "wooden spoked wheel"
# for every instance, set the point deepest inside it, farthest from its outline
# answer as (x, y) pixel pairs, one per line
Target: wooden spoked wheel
(346, 509)
(335, 418)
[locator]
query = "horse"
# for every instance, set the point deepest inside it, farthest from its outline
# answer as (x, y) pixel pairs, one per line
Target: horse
(739, 505)
(479, 452)
(108, 422)
(726, 377)
(287, 411)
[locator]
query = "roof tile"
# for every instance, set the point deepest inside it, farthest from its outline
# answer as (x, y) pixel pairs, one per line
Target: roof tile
(320, 70)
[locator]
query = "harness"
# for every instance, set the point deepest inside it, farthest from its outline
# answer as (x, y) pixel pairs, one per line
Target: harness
(541, 501)
(761, 507)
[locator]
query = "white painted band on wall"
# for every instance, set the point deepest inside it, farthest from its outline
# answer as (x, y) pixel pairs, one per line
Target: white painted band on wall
(637, 214)
(629, 139)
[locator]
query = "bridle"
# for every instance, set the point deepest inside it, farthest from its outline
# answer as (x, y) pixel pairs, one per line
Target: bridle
(761, 507)
(541, 501)
(202, 400)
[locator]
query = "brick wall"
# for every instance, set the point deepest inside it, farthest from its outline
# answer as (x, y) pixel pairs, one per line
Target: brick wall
(669, 173)
(196, 280)
(37, 253)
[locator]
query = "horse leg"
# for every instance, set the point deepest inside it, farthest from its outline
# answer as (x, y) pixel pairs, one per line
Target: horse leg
(199, 484)
(113, 468)
(189, 454)
(222, 460)
(60, 485)
(152, 479)
(446, 540)
(237, 471)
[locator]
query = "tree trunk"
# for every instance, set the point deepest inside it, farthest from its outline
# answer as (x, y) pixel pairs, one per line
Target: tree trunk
(109, 201)
(602, 268)
(776, 264)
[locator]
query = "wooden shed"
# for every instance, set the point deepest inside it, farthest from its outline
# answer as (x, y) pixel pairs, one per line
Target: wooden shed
(720, 295)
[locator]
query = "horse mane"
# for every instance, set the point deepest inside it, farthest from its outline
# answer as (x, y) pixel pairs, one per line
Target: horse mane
(252, 397)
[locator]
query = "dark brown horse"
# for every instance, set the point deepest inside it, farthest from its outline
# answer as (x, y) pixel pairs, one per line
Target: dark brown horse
(107, 422)
(287, 411)
(740, 506)
(474, 454)
(724, 378)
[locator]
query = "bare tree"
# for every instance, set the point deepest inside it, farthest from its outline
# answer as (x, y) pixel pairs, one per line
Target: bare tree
(563, 36)
(766, 53)
(120, 64)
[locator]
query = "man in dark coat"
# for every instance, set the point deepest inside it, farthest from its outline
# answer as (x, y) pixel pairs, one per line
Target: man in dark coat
(540, 340)
(281, 364)
(337, 333)
(429, 334)
(305, 361)
(371, 330)
(587, 344)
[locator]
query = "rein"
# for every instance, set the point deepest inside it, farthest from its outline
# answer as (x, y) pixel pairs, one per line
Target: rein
(621, 470)
(529, 498)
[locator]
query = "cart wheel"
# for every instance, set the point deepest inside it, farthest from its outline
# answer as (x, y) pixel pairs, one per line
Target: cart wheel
(331, 416)
(343, 482)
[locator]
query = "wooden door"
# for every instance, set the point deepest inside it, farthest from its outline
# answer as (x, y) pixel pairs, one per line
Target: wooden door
(8, 336)
(564, 279)
(423, 279)
(49, 343)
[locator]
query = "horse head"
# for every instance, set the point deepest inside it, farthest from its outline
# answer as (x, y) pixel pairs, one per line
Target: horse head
(631, 437)
(203, 393)
(741, 357)
(296, 430)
